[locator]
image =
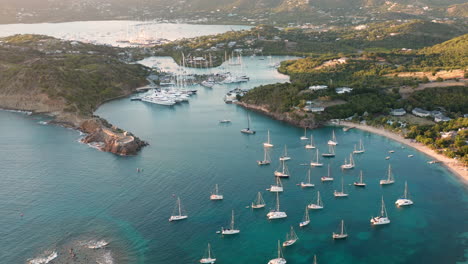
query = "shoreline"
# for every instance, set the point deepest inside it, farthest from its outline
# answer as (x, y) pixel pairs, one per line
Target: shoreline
(451, 164)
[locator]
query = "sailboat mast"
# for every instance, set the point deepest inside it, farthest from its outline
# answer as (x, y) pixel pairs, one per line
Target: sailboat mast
(178, 203)
(383, 210)
(232, 220)
(277, 203)
(342, 227)
(406, 190)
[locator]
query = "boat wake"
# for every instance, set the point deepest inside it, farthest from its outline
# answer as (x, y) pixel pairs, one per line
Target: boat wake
(105, 259)
(17, 111)
(96, 244)
(44, 258)
(43, 123)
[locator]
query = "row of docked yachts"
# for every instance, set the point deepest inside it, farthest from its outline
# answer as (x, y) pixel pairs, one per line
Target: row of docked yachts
(167, 97)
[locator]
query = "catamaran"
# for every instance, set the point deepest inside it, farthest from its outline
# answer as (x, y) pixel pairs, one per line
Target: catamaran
(291, 238)
(350, 165)
(231, 230)
(283, 172)
(307, 184)
(360, 183)
(259, 202)
(278, 187)
(266, 158)
(383, 218)
(276, 213)
(340, 193)
(311, 145)
(331, 152)
(328, 177)
(318, 205)
(333, 140)
(390, 178)
(285, 156)
(404, 201)
(215, 196)
(316, 163)
(359, 150)
(177, 214)
(268, 143)
(208, 258)
(306, 219)
(305, 134)
(248, 130)
(342, 233)
(280, 259)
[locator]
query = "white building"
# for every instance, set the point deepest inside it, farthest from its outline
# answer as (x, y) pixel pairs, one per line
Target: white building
(318, 87)
(420, 112)
(343, 90)
(398, 112)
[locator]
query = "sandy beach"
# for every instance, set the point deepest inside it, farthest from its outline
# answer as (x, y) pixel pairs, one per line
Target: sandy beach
(452, 164)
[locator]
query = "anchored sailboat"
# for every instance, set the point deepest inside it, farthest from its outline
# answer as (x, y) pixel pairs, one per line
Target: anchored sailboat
(215, 196)
(266, 158)
(209, 257)
(382, 219)
(359, 150)
(307, 184)
(311, 145)
(316, 163)
(328, 177)
(259, 202)
(331, 152)
(291, 238)
(248, 130)
(276, 213)
(278, 187)
(177, 214)
(340, 193)
(305, 134)
(404, 201)
(389, 179)
(333, 140)
(360, 183)
(268, 143)
(306, 219)
(280, 259)
(318, 205)
(285, 156)
(342, 233)
(283, 171)
(350, 165)
(231, 230)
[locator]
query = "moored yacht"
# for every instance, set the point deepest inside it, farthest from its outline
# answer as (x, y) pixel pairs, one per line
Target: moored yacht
(268, 143)
(215, 196)
(291, 238)
(328, 177)
(285, 156)
(307, 184)
(318, 204)
(280, 259)
(340, 193)
(259, 202)
(342, 234)
(360, 183)
(404, 201)
(283, 171)
(316, 163)
(276, 213)
(231, 230)
(306, 219)
(333, 140)
(348, 165)
(277, 187)
(209, 257)
(390, 179)
(382, 219)
(177, 214)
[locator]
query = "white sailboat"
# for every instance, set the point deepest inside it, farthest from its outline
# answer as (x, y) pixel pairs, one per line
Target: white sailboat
(283, 171)
(317, 205)
(177, 214)
(268, 143)
(340, 193)
(360, 183)
(307, 184)
(382, 219)
(348, 165)
(390, 179)
(248, 130)
(280, 259)
(285, 156)
(215, 196)
(306, 219)
(359, 150)
(404, 201)
(342, 233)
(305, 134)
(311, 145)
(316, 163)
(209, 257)
(278, 187)
(333, 140)
(291, 238)
(259, 202)
(276, 213)
(266, 158)
(328, 177)
(231, 230)
(331, 152)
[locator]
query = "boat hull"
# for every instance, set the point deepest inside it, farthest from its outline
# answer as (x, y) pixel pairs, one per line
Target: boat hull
(307, 185)
(326, 179)
(277, 261)
(177, 218)
(403, 202)
(207, 260)
(284, 158)
(276, 215)
(380, 221)
(289, 243)
(247, 131)
(304, 223)
(314, 207)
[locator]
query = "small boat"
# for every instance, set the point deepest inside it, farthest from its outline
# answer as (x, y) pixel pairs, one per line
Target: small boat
(382, 219)
(333, 140)
(350, 165)
(342, 234)
(224, 121)
(278, 187)
(208, 84)
(215, 196)
(266, 158)
(285, 156)
(307, 184)
(311, 145)
(359, 150)
(280, 259)
(231, 230)
(328, 177)
(268, 143)
(391, 151)
(259, 202)
(410, 156)
(360, 183)
(341, 193)
(276, 213)
(317, 205)
(305, 134)
(389, 179)
(331, 152)
(404, 201)
(291, 238)
(433, 161)
(248, 130)
(306, 219)
(316, 163)
(177, 215)
(283, 172)
(387, 158)
(208, 258)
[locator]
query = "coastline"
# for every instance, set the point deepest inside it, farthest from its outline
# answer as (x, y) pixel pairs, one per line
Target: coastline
(453, 165)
